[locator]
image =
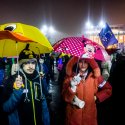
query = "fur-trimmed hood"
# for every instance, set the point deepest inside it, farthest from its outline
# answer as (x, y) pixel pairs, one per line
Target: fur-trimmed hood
(70, 64)
(74, 60)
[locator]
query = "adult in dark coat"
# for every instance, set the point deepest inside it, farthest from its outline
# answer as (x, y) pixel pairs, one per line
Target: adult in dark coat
(117, 80)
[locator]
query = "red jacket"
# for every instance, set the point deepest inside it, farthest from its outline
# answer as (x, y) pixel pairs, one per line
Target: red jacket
(85, 91)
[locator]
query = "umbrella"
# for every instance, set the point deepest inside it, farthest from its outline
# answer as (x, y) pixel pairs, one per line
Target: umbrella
(81, 47)
(15, 36)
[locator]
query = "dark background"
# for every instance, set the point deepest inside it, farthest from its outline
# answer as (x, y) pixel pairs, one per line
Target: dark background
(67, 16)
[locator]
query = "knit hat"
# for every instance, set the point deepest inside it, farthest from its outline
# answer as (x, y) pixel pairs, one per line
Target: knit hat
(26, 55)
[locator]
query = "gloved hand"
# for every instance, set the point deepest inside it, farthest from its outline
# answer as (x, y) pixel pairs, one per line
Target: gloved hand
(78, 102)
(77, 78)
(74, 82)
(105, 74)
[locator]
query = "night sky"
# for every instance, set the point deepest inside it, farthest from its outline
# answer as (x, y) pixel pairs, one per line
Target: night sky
(67, 16)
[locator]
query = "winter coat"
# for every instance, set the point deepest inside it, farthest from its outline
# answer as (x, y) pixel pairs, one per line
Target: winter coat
(1, 76)
(25, 106)
(117, 80)
(85, 91)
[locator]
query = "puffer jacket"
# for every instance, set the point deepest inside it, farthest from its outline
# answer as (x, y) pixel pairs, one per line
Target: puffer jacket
(86, 91)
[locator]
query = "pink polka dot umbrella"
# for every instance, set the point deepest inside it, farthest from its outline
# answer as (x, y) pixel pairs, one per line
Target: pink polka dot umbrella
(81, 47)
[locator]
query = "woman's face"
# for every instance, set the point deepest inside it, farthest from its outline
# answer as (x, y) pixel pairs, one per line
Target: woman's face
(83, 65)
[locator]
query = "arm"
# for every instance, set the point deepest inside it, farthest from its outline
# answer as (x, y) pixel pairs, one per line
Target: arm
(67, 92)
(70, 88)
(13, 101)
(105, 91)
(94, 66)
(13, 95)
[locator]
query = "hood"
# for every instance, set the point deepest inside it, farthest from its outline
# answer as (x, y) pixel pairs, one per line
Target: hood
(74, 61)
(71, 63)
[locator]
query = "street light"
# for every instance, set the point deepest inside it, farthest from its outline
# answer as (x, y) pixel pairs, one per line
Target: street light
(101, 24)
(89, 25)
(51, 30)
(93, 31)
(48, 31)
(89, 29)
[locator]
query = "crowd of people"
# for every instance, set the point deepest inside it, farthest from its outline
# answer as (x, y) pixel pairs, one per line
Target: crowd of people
(92, 91)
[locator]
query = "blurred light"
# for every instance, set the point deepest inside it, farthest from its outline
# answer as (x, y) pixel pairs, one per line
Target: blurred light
(89, 25)
(44, 29)
(94, 30)
(47, 30)
(101, 24)
(51, 30)
(121, 37)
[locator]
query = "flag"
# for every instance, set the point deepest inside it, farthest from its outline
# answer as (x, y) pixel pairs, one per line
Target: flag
(107, 37)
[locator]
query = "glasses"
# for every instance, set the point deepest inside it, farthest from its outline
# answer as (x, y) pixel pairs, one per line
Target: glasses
(30, 62)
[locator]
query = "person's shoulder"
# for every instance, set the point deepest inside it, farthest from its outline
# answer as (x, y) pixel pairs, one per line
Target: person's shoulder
(8, 83)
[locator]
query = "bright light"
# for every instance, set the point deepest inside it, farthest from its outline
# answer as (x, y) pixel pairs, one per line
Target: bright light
(51, 30)
(44, 29)
(47, 30)
(101, 24)
(89, 25)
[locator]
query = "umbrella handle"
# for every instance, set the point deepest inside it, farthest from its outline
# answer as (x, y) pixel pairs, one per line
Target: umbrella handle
(17, 57)
(40, 79)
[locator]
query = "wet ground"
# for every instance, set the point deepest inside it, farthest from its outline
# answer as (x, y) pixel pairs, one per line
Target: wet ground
(56, 104)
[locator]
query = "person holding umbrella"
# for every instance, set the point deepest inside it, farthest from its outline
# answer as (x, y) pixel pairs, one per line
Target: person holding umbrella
(83, 87)
(23, 99)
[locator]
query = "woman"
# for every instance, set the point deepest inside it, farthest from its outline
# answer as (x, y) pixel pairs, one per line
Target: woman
(80, 91)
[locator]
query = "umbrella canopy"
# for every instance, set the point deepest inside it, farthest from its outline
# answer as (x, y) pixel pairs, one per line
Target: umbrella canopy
(81, 47)
(15, 36)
